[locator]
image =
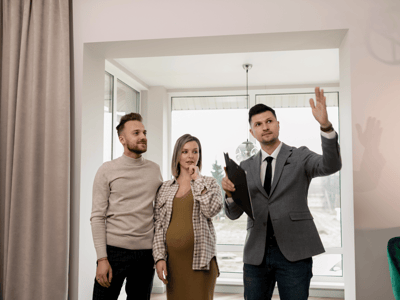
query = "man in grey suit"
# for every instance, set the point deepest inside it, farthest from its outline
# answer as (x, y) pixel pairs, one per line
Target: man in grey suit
(282, 239)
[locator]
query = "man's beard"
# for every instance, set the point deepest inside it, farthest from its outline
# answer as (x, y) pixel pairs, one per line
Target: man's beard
(271, 141)
(136, 149)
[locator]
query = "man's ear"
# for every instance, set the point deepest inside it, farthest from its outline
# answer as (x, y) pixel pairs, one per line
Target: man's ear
(122, 139)
(251, 131)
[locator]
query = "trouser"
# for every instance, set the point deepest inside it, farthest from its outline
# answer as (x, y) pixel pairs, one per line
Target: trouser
(293, 278)
(136, 266)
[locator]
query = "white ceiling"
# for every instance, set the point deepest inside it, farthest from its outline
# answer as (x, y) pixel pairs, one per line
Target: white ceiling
(226, 71)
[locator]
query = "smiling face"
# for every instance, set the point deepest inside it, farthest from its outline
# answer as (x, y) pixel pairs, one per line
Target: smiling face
(133, 138)
(265, 128)
(189, 155)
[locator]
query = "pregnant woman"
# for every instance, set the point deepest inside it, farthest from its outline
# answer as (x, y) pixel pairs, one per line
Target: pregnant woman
(184, 242)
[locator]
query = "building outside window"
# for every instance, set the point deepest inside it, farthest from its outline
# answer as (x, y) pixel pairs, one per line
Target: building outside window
(221, 124)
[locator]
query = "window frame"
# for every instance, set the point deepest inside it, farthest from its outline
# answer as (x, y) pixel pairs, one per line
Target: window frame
(238, 277)
(120, 76)
(112, 86)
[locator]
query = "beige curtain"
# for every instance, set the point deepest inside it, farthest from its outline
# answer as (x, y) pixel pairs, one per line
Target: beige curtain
(34, 149)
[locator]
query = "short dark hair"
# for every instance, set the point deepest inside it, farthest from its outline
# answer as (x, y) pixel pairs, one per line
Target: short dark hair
(258, 109)
(126, 118)
(175, 166)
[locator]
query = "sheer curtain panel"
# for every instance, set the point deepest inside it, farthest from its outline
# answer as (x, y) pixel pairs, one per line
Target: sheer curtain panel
(34, 148)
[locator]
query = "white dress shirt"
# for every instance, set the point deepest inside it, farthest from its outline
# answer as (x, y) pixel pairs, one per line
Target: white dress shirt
(264, 155)
(264, 163)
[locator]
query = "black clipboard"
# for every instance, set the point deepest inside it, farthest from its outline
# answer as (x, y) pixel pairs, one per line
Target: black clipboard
(241, 195)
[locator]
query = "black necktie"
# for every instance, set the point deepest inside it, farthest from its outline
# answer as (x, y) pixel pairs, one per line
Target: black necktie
(267, 188)
(268, 175)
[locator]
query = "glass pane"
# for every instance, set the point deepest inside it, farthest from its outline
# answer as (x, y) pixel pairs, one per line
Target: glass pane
(323, 265)
(230, 262)
(230, 232)
(207, 125)
(295, 100)
(328, 265)
(127, 101)
(201, 103)
(108, 108)
(210, 126)
(324, 203)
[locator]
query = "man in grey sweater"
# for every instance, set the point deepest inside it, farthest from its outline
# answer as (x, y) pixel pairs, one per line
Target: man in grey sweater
(122, 216)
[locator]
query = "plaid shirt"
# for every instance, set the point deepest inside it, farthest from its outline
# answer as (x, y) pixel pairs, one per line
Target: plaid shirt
(205, 206)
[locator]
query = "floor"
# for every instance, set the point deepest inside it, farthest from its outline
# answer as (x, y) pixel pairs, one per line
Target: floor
(223, 296)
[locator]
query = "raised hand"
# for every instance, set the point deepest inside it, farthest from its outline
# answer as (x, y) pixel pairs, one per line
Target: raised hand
(319, 109)
(194, 172)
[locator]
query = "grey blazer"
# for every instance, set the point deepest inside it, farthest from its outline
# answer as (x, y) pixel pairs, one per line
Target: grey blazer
(294, 228)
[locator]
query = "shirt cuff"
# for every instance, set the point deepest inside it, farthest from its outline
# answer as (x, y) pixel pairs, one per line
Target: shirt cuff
(229, 200)
(329, 135)
(199, 185)
(101, 252)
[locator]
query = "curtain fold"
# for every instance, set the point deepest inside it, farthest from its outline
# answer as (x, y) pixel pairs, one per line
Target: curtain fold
(35, 148)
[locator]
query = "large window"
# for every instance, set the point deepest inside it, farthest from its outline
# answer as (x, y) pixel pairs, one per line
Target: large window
(221, 125)
(119, 99)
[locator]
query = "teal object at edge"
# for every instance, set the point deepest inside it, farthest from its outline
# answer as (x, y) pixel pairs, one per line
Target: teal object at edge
(393, 252)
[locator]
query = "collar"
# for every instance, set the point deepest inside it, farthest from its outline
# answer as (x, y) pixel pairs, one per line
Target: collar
(274, 154)
(172, 181)
(132, 161)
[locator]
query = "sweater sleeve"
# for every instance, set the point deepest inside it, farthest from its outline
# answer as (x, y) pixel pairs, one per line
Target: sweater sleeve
(101, 193)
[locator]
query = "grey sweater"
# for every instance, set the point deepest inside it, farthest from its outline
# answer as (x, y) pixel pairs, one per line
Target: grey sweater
(122, 210)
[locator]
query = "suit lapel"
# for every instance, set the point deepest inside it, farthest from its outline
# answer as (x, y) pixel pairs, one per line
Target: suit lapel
(283, 155)
(255, 170)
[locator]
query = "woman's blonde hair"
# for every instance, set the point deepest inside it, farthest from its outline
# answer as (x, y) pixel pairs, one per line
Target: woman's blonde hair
(175, 166)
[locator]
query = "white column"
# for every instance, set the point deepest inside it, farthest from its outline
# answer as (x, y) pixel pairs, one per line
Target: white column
(347, 199)
(155, 113)
(91, 160)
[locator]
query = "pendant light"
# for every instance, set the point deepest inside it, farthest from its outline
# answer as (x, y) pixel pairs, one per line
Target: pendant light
(246, 149)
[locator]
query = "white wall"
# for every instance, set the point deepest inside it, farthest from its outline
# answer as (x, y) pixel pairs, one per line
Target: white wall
(154, 108)
(91, 160)
(374, 89)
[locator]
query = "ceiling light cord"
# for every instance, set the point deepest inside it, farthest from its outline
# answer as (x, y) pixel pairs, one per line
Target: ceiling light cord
(246, 149)
(247, 87)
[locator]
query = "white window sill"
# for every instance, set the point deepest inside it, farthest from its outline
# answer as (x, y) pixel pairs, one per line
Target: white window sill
(314, 285)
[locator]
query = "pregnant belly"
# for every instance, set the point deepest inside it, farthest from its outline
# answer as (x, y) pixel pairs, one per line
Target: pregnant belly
(180, 238)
